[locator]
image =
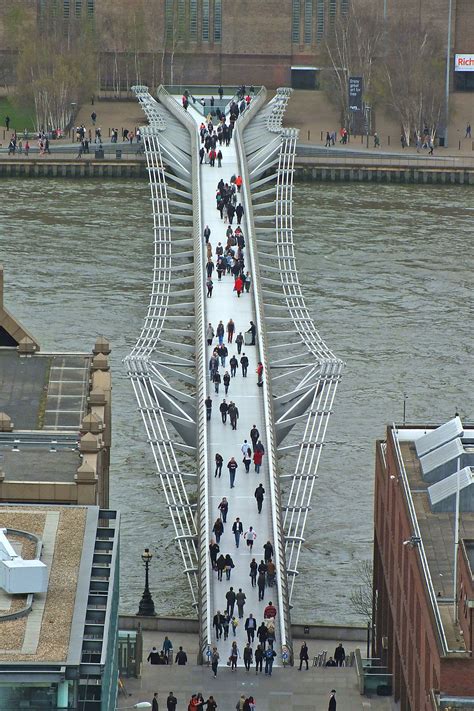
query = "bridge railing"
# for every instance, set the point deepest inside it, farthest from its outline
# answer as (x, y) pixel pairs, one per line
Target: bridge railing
(262, 344)
(270, 153)
(201, 374)
(150, 386)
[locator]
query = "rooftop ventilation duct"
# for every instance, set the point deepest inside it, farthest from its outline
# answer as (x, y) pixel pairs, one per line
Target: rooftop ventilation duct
(17, 575)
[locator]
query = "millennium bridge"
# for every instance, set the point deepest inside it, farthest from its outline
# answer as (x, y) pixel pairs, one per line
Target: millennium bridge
(169, 365)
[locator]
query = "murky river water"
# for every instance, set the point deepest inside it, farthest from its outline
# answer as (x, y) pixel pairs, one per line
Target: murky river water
(388, 272)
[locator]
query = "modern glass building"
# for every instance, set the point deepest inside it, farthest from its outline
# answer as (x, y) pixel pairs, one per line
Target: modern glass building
(58, 650)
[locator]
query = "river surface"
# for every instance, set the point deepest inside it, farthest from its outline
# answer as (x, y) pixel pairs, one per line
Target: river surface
(388, 276)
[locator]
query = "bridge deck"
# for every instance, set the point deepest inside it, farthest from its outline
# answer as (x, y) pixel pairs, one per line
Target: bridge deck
(224, 305)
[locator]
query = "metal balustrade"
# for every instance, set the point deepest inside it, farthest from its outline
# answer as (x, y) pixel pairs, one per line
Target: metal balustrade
(309, 403)
(157, 399)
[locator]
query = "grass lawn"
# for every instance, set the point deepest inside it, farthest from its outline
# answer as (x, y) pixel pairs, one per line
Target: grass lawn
(20, 118)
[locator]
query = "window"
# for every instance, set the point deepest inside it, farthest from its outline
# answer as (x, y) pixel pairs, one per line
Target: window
(217, 20)
(205, 21)
(295, 22)
(332, 11)
(181, 18)
(320, 20)
(90, 8)
(169, 7)
(66, 8)
(344, 7)
(308, 21)
(78, 8)
(193, 19)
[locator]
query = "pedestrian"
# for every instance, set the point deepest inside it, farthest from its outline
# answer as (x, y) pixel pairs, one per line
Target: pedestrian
(223, 409)
(244, 362)
(209, 334)
(207, 233)
(271, 572)
(268, 551)
(234, 623)
(239, 340)
(468, 131)
(153, 656)
(250, 627)
(233, 656)
(304, 656)
(230, 597)
(219, 158)
(247, 460)
(224, 508)
(253, 572)
(214, 665)
(213, 551)
(270, 611)
(213, 365)
(238, 286)
(259, 370)
(230, 330)
(208, 404)
(220, 565)
(328, 140)
(257, 460)
(237, 530)
(233, 365)
(262, 634)
(269, 655)
(258, 658)
(248, 657)
(229, 565)
(154, 702)
(250, 537)
(220, 332)
(240, 599)
(219, 461)
(217, 381)
(233, 415)
(332, 701)
(181, 657)
(232, 466)
(254, 436)
(27, 149)
(218, 529)
(201, 155)
(209, 286)
(259, 495)
(222, 352)
(226, 381)
(167, 648)
(225, 626)
(247, 282)
(7, 122)
(253, 332)
(239, 211)
(171, 702)
(340, 655)
(261, 582)
(217, 623)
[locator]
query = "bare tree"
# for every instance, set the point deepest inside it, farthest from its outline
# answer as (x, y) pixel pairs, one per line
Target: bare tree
(353, 49)
(413, 74)
(361, 595)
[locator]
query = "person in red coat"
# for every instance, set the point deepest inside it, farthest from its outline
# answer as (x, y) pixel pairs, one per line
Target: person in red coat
(257, 459)
(238, 286)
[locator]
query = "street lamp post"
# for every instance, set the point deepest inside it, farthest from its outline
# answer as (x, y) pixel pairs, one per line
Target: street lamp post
(146, 607)
(448, 71)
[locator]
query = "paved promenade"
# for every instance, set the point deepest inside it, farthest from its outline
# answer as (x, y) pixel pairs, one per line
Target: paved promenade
(223, 306)
(287, 688)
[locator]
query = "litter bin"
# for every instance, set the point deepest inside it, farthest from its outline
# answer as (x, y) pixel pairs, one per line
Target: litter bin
(247, 338)
(118, 153)
(99, 152)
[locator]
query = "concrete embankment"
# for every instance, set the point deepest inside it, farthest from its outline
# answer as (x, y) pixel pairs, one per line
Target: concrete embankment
(69, 168)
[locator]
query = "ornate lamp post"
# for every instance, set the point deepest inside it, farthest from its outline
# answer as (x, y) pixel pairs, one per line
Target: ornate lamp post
(146, 607)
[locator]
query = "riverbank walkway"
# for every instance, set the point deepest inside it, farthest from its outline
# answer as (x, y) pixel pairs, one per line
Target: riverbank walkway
(169, 365)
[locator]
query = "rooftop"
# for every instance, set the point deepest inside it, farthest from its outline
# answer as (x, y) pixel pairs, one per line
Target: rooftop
(45, 633)
(44, 392)
(436, 528)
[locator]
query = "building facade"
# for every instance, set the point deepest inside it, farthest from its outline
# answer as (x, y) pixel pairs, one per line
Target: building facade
(421, 636)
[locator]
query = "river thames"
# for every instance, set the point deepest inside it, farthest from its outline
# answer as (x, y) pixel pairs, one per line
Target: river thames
(387, 272)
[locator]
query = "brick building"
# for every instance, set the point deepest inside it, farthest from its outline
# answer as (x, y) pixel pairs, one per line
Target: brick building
(420, 635)
(223, 41)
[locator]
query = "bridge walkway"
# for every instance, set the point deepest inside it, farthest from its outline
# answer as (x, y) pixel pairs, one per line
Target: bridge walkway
(224, 305)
